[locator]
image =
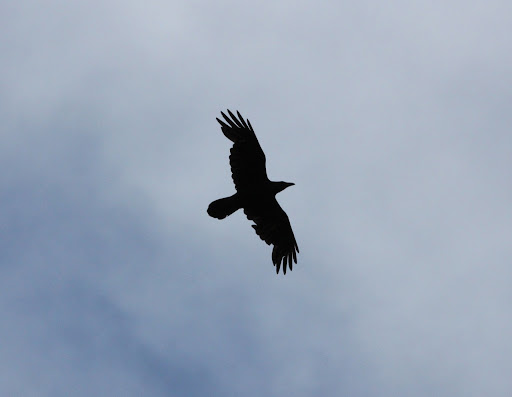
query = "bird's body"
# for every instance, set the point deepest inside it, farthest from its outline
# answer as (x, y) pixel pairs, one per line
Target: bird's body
(255, 193)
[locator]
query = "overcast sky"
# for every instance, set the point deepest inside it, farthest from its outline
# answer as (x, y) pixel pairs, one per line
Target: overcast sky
(392, 118)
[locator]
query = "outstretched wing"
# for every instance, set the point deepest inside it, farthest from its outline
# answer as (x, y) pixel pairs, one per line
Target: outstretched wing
(273, 227)
(247, 159)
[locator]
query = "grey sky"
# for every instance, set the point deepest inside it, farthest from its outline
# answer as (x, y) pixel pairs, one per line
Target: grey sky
(392, 118)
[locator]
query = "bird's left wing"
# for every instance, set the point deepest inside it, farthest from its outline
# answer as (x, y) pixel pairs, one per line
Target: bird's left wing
(247, 158)
(273, 227)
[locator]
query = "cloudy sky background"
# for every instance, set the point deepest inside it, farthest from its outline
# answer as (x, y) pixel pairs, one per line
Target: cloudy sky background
(392, 118)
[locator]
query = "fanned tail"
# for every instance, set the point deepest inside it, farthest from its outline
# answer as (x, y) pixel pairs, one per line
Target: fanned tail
(223, 207)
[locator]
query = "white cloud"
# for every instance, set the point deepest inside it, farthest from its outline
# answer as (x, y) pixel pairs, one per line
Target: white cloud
(393, 121)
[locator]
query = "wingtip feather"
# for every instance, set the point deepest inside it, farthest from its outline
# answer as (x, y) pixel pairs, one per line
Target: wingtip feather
(242, 119)
(221, 122)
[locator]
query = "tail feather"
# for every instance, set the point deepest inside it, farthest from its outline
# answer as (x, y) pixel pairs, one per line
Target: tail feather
(223, 207)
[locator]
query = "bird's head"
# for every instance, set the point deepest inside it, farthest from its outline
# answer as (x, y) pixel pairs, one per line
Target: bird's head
(280, 186)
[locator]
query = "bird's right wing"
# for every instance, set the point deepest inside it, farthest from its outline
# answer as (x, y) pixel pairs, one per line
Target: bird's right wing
(247, 159)
(273, 227)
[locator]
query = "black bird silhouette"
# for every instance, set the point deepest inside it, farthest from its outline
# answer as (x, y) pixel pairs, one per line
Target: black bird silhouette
(255, 193)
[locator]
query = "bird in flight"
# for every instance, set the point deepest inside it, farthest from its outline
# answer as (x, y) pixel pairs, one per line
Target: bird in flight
(255, 193)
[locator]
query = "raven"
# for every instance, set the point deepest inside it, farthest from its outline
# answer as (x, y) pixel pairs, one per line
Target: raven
(255, 193)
